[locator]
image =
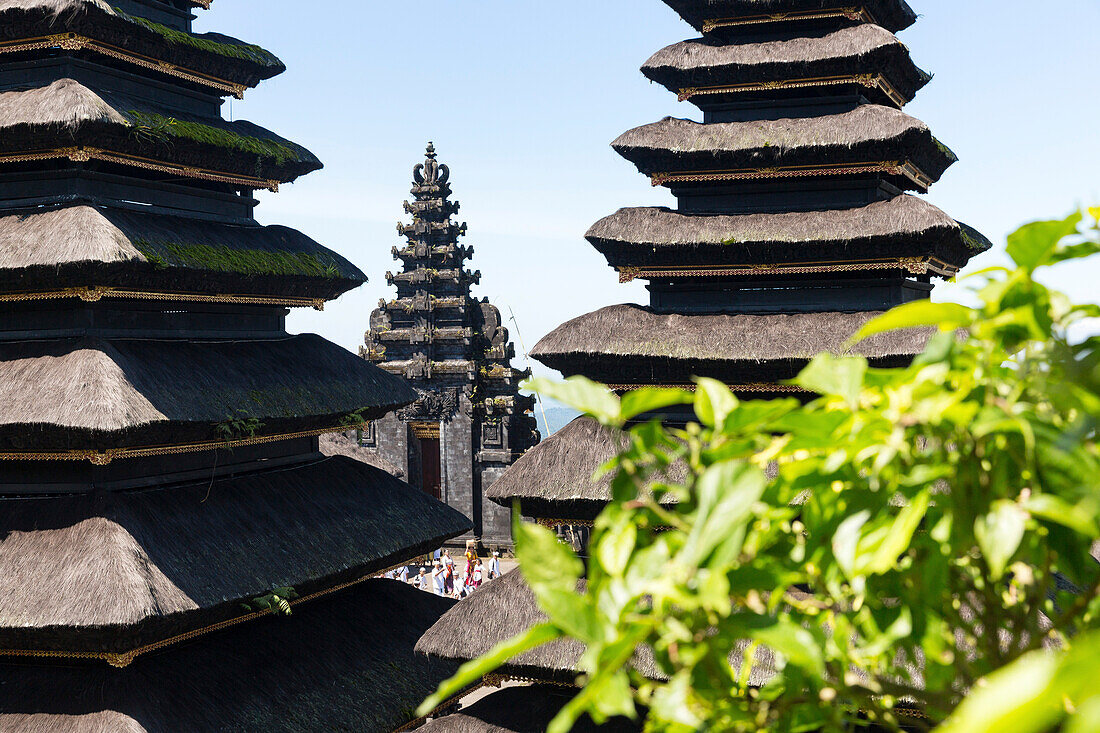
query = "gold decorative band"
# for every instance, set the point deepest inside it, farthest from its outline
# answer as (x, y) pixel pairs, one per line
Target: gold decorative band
(95, 293)
(912, 265)
(870, 81)
(425, 430)
(74, 42)
(857, 14)
(893, 168)
(125, 659)
(105, 458)
(83, 155)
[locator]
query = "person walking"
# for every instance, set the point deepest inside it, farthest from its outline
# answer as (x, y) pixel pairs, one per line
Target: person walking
(423, 580)
(494, 566)
(478, 574)
(448, 573)
(438, 582)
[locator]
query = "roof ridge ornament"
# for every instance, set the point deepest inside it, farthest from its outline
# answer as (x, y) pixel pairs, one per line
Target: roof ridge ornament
(431, 172)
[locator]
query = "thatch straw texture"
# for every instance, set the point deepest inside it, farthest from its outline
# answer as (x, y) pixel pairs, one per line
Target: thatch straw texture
(621, 340)
(105, 722)
(896, 15)
(521, 710)
(554, 480)
(99, 393)
(869, 133)
(80, 245)
(212, 54)
(67, 113)
(905, 226)
(863, 49)
(115, 572)
(507, 607)
(340, 663)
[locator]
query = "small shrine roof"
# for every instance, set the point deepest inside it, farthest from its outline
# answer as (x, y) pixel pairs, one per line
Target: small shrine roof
(704, 15)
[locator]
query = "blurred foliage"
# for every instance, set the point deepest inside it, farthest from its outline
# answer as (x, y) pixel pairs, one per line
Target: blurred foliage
(922, 556)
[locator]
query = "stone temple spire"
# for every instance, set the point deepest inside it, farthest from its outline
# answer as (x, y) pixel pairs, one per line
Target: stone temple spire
(470, 422)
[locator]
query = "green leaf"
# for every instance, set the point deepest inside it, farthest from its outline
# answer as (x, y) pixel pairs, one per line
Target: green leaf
(544, 561)
(713, 402)
(846, 541)
(921, 313)
(582, 394)
(727, 492)
(831, 375)
(641, 401)
(1017, 698)
(797, 644)
(1055, 509)
(617, 545)
(1086, 719)
(897, 540)
(1032, 245)
(999, 534)
(472, 672)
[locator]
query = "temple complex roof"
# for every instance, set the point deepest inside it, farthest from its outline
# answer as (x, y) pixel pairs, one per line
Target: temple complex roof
(749, 15)
(868, 139)
(520, 710)
(321, 668)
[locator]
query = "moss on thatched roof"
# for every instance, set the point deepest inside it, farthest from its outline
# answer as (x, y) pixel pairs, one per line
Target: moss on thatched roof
(98, 393)
(80, 245)
(869, 134)
(212, 54)
(895, 15)
(860, 50)
(621, 340)
(554, 480)
(905, 226)
(506, 607)
(344, 662)
(112, 573)
(67, 113)
(527, 709)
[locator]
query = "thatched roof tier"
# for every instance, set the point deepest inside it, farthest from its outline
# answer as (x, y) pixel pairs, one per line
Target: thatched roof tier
(554, 480)
(749, 16)
(871, 139)
(99, 394)
(82, 246)
(115, 572)
(864, 55)
(68, 120)
(524, 709)
(633, 344)
(902, 227)
(212, 60)
(507, 607)
(344, 662)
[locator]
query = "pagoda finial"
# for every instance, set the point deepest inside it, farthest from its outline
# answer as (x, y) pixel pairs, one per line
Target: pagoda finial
(430, 173)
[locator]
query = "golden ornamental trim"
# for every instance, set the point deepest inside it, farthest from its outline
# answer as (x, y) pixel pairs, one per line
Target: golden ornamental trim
(95, 293)
(894, 168)
(109, 456)
(425, 430)
(85, 154)
(856, 14)
(75, 42)
(748, 387)
(870, 81)
(912, 265)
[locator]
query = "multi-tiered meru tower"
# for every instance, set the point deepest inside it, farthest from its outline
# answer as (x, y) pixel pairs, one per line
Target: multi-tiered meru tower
(162, 499)
(795, 225)
(470, 422)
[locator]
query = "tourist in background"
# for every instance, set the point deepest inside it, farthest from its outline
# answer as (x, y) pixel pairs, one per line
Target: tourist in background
(438, 583)
(494, 566)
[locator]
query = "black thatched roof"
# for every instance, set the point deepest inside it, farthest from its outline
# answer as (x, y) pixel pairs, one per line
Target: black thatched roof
(895, 15)
(96, 393)
(869, 134)
(507, 607)
(117, 571)
(527, 709)
(553, 480)
(905, 226)
(79, 246)
(341, 663)
(210, 54)
(860, 50)
(633, 344)
(66, 113)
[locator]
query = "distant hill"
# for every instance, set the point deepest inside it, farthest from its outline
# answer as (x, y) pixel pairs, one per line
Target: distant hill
(557, 417)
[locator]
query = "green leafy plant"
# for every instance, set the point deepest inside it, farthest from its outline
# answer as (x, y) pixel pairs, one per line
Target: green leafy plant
(237, 428)
(910, 549)
(277, 601)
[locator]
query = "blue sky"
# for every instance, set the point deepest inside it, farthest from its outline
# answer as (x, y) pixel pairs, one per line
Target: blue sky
(523, 97)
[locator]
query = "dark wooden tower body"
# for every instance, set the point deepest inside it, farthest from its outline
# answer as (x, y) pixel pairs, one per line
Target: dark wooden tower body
(470, 422)
(795, 224)
(159, 466)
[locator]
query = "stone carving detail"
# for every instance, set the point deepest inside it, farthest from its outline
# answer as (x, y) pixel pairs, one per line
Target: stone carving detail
(432, 405)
